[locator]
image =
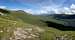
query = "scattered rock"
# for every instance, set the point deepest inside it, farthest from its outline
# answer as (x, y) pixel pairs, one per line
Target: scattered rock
(27, 33)
(1, 31)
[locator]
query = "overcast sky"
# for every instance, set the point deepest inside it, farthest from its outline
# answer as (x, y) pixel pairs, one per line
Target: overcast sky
(39, 6)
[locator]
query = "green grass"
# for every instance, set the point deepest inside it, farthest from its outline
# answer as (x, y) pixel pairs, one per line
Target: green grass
(17, 19)
(51, 34)
(10, 25)
(27, 18)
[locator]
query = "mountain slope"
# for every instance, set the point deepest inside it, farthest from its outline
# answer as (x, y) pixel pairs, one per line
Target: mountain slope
(24, 17)
(18, 25)
(66, 20)
(9, 27)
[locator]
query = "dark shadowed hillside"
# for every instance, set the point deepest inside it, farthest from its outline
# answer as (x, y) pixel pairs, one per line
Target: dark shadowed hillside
(59, 26)
(66, 20)
(4, 10)
(64, 16)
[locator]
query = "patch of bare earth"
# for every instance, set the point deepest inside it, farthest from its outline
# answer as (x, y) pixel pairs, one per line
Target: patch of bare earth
(30, 33)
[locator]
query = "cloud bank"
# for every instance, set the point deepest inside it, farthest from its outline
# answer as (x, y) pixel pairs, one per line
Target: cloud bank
(41, 6)
(3, 7)
(52, 9)
(66, 10)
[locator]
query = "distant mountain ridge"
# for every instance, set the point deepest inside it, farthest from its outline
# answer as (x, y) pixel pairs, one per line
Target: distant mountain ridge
(66, 20)
(64, 16)
(60, 16)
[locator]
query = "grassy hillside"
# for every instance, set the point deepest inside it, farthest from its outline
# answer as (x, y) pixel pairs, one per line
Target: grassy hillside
(67, 20)
(18, 25)
(8, 27)
(24, 17)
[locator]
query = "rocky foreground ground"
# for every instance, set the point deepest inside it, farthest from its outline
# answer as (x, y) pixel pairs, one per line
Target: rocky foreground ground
(26, 34)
